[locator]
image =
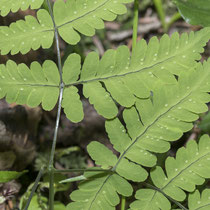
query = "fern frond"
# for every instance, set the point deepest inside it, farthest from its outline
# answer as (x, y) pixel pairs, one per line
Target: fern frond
(85, 16)
(14, 5)
(123, 78)
(31, 86)
(152, 124)
(99, 191)
(197, 201)
(190, 168)
(27, 34)
(162, 119)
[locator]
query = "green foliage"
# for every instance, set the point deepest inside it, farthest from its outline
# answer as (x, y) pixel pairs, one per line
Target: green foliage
(195, 12)
(70, 17)
(163, 119)
(199, 201)
(159, 6)
(6, 176)
(39, 202)
(190, 168)
(133, 76)
(15, 5)
(109, 79)
(204, 125)
(161, 85)
(85, 16)
(30, 86)
(35, 203)
(27, 34)
(99, 191)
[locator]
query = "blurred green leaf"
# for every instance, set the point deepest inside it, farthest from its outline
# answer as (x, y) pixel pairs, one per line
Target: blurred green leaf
(2, 199)
(195, 12)
(35, 202)
(204, 125)
(59, 206)
(61, 152)
(6, 176)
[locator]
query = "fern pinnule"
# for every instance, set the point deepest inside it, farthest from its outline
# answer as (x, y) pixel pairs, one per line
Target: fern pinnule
(99, 191)
(197, 200)
(190, 168)
(14, 5)
(85, 16)
(39, 84)
(24, 35)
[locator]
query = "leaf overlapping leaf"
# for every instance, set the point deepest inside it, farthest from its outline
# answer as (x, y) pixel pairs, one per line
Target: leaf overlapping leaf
(150, 126)
(198, 201)
(100, 191)
(71, 18)
(14, 5)
(190, 168)
(195, 12)
(118, 74)
(85, 16)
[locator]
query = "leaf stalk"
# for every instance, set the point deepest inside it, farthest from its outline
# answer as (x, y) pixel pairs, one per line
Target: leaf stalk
(51, 162)
(123, 201)
(135, 23)
(171, 199)
(34, 188)
(81, 170)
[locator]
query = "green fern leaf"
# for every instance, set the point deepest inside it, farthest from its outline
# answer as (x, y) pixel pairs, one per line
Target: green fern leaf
(27, 34)
(7, 176)
(118, 74)
(101, 154)
(161, 120)
(190, 168)
(99, 191)
(148, 199)
(30, 86)
(14, 5)
(197, 201)
(85, 16)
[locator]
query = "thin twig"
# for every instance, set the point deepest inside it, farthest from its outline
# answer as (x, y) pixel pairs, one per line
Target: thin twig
(135, 22)
(51, 162)
(57, 42)
(81, 170)
(123, 201)
(34, 188)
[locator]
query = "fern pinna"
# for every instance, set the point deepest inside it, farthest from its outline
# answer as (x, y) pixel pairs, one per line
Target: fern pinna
(161, 84)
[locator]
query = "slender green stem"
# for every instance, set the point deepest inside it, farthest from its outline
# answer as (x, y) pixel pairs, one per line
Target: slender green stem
(34, 188)
(173, 19)
(57, 42)
(80, 170)
(135, 22)
(161, 13)
(171, 199)
(51, 162)
(123, 201)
